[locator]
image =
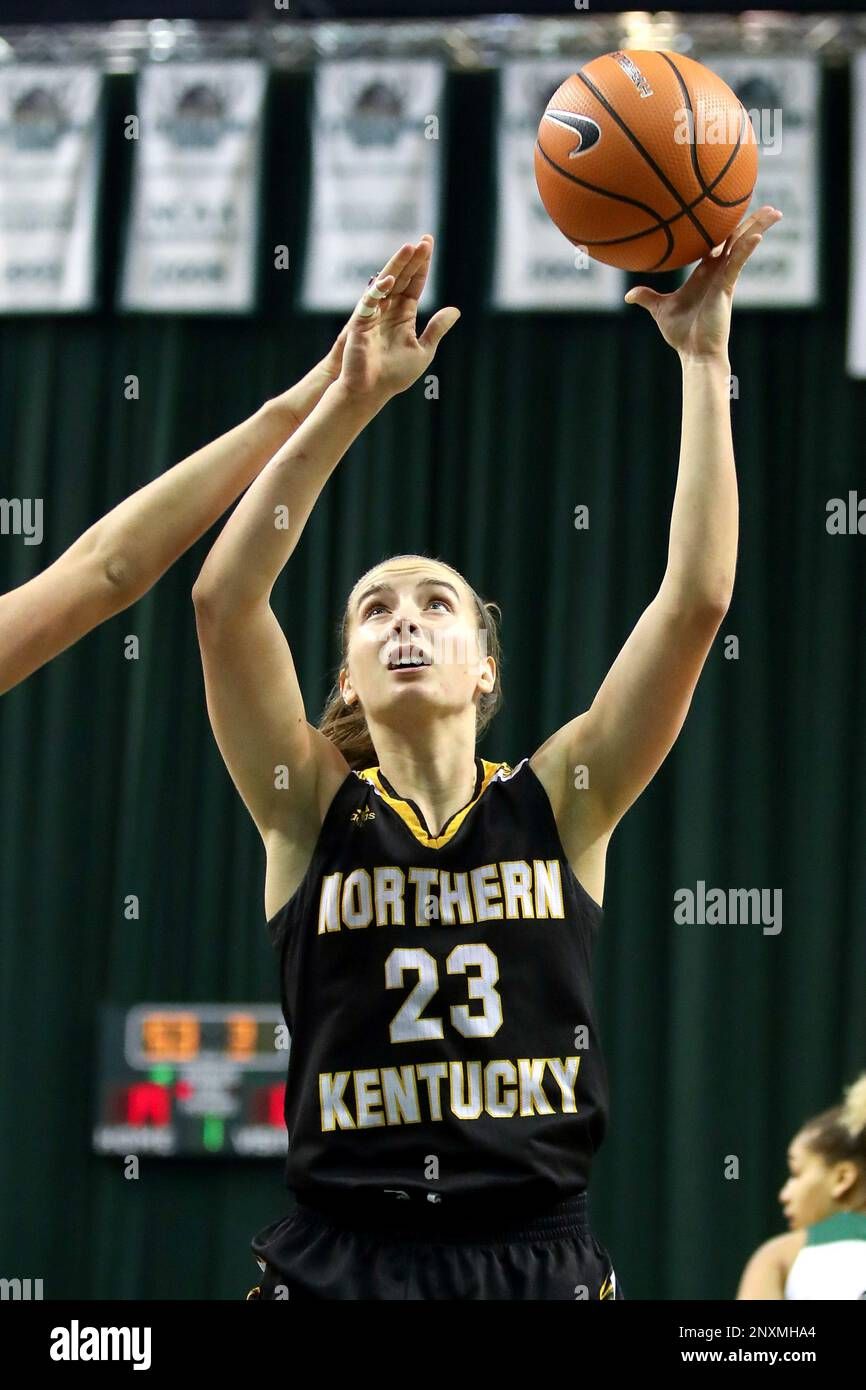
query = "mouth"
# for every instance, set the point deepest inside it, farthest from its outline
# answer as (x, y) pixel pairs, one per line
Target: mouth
(409, 661)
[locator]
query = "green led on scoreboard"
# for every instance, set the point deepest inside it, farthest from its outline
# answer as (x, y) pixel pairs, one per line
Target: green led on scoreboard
(213, 1133)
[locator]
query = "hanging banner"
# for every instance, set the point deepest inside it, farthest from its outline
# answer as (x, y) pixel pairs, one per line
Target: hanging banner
(376, 169)
(857, 295)
(50, 157)
(193, 228)
(535, 266)
(781, 96)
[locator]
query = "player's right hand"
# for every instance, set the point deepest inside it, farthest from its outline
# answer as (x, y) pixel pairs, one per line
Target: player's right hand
(382, 354)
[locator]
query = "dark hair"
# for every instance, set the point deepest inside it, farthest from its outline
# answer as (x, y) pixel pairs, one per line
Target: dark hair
(346, 725)
(839, 1135)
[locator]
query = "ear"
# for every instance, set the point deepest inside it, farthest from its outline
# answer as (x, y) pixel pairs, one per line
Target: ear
(487, 675)
(845, 1176)
(346, 688)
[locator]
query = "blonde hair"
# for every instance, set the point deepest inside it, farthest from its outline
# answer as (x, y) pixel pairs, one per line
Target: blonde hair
(839, 1134)
(346, 725)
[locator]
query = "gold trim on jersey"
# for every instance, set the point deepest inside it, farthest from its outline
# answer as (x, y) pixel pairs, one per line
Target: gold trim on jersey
(410, 818)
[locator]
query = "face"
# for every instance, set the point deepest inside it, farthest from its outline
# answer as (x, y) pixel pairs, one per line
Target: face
(415, 641)
(814, 1188)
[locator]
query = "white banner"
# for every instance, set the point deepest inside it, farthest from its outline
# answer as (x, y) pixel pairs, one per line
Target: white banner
(781, 96)
(535, 266)
(378, 130)
(50, 149)
(857, 295)
(193, 228)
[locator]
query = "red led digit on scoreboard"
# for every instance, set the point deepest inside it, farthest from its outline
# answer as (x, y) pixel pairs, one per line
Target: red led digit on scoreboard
(148, 1103)
(276, 1103)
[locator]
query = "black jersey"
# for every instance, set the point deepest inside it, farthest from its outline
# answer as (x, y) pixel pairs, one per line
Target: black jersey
(437, 991)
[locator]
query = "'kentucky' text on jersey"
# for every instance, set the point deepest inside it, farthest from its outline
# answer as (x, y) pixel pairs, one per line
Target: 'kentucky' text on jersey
(437, 989)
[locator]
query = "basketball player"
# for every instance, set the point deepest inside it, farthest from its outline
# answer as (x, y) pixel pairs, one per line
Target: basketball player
(824, 1200)
(124, 553)
(435, 912)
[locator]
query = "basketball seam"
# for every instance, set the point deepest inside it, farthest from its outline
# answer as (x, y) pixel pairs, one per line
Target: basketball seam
(646, 231)
(706, 188)
(661, 225)
(660, 174)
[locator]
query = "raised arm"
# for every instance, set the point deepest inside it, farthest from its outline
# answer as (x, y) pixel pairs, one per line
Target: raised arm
(124, 553)
(253, 695)
(634, 720)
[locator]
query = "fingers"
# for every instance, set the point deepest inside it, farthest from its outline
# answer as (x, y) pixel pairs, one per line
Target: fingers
(759, 221)
(415, 287)
(369, 304)
(408, 269)
(741, 252)
(438, 326)
(419, 260)
(398, 262)
(381, 285)
(645, 297)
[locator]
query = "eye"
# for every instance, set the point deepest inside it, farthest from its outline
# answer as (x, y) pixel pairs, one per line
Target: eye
(446, 601)
(368, 612)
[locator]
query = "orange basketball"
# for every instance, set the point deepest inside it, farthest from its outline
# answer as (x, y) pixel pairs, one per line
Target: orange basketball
(645, 158)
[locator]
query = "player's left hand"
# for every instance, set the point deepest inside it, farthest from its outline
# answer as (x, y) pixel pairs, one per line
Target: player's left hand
(696, 318)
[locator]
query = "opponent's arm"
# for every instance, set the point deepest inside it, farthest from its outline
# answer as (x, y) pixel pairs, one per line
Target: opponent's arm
(118, 558)
(639, 710)
(253, 696)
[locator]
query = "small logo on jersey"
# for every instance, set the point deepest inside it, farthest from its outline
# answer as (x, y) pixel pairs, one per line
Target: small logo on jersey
(608, 1288)
(433, 1197)
(362, 815)
(588, 132)
(505, 772)
(397, 1192)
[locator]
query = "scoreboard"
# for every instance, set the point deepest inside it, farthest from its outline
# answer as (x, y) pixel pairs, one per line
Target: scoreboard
(191, 1079)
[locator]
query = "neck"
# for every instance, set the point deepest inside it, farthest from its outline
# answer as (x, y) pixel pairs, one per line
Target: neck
(433, 766)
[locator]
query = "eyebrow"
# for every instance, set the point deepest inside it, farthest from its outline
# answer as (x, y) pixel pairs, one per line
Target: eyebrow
(422, 584)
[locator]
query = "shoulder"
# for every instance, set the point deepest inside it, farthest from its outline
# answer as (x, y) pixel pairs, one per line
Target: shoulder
(779, 1252)
(766, 1273)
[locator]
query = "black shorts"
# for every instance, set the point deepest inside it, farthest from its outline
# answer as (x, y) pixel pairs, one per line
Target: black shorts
(313, 1254)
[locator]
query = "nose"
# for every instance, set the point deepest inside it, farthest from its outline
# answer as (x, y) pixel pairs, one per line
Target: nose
(404, 624)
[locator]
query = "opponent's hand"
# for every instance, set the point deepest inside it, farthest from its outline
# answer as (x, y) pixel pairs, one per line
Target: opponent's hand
(696, 318)
(382, 354)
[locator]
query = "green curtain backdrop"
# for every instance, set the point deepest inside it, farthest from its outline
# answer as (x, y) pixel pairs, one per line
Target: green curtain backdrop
(719, 1040)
